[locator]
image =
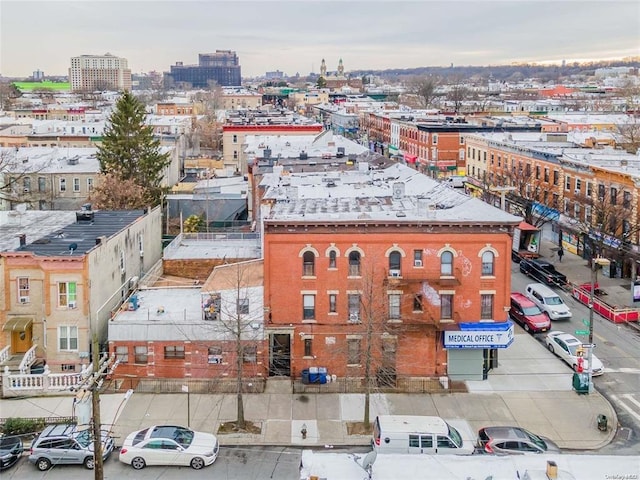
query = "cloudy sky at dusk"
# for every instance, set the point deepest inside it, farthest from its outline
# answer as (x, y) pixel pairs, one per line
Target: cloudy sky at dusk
(295, 35)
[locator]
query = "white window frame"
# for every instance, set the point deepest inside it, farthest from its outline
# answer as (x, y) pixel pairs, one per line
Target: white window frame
(89, 184)
(23, 290)
(62, 183)
(65, 298)
(122, 353)
(76, 184)
(67, 334)
(394, 306)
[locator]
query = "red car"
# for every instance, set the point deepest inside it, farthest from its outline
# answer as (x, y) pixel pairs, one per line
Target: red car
(526, 313)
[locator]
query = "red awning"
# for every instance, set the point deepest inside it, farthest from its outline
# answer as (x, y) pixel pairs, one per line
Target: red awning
(524, 226)
(411, 158)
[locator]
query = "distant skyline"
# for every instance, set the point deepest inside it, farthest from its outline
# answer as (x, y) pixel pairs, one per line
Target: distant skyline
(293, 36)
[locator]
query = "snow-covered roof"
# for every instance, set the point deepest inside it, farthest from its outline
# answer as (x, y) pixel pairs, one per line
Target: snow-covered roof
(396, 194)
(290, 146)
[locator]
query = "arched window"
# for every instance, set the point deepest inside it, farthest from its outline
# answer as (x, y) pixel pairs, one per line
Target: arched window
(446, 264)
(487, 263)
(354, 264)
(394, 263)
(332, 259)
(308, 264)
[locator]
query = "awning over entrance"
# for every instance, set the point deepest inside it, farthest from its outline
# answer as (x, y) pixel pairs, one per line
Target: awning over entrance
(17, 324)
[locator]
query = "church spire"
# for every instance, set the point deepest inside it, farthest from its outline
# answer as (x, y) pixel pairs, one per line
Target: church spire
(340, 68)
(323, 69)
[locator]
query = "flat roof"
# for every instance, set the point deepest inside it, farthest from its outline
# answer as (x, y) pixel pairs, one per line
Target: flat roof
(33, 224)
(397, 194)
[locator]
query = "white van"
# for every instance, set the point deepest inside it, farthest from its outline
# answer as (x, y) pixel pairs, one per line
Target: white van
(548, 301)
(422, 434)
(456, 181)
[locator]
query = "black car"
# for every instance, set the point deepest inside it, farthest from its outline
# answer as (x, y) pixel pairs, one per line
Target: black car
(10, 450)
(543, 271)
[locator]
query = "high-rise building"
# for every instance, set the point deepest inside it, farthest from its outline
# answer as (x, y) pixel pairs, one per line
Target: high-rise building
(99, 72)
(221, 67)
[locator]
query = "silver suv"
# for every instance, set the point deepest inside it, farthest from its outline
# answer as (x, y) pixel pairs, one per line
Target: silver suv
(66, 445)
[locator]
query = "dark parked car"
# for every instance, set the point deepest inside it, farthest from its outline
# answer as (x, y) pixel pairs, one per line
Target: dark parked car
(527, 314)
(543, 271)
(10, 450)
(513, 440)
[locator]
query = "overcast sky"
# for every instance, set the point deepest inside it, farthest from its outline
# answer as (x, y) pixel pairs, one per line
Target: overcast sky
(295, 35)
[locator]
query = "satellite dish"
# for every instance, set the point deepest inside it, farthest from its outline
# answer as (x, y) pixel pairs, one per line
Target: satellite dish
(369, 460)
(72, 246)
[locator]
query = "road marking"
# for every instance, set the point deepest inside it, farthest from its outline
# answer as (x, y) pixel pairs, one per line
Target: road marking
(631, 399)
(630, 410)
(623, 370)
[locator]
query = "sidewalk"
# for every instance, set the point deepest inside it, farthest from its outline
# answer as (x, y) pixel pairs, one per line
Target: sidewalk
(618, 290)
(529, 388)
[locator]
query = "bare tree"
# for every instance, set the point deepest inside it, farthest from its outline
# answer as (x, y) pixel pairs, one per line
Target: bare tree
(531, 198)
(629, 132)
(606, 219)
(237, 309)
(113, 193)
(424, 90)
(17, 176)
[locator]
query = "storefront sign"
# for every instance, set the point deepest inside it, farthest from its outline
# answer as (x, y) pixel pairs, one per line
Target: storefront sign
(636, 291)
(481, 338)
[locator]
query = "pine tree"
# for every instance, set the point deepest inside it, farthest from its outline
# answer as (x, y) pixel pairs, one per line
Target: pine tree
(129, 150)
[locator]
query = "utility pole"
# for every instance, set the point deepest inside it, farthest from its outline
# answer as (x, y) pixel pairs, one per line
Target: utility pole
(98, 471)
(595, 263)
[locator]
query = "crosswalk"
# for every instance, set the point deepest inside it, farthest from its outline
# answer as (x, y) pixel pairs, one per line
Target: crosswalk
(629, 402)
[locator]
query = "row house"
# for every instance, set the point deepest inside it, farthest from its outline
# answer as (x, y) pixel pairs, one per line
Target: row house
(433, 144)
(383, 271)
(194, 332)
(53, 178)
(234, 135)
(62, 280)
(588, 190)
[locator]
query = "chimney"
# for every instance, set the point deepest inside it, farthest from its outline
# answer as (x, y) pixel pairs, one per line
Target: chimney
(23, 239)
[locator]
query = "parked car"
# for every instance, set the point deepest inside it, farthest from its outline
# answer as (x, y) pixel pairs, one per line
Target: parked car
(10, 450)
(513, 440)
(566, 347)
(526, 313)
(65, 444)
(548, 301)
(169, 445)
(543, 271)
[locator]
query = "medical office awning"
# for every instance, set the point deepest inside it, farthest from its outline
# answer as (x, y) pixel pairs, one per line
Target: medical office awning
(17, 324)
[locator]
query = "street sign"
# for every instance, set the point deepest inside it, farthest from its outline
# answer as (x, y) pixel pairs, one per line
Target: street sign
(582, 332)
(585, 321)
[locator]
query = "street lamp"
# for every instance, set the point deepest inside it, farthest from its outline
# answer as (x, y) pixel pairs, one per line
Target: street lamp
(595, 263)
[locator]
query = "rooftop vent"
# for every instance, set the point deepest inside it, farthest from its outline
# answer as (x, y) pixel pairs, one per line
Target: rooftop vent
(73, 160)
(303, 155)
(267, 153)
(340, 152)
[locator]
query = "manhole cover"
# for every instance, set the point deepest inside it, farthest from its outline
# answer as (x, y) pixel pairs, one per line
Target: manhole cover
(623, 434)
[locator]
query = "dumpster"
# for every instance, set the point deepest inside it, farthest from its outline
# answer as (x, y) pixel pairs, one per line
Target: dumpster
(581, 382)
(305, 376)
(322, 374)
(314, 377)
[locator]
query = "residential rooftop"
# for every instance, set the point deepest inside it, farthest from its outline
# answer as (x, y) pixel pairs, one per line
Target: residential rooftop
(77, 232)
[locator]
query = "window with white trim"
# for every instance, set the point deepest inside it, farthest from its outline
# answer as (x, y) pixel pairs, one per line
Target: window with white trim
(76, 184)
(487, 263)
(141, 354)
(173, 352)
(354, 307)
(394, 306)
(90, 184)
(308, 307)
(486, 306)
(122, 353)
(67, 338)
(67, 294)
(63, 184)
(446, 264)
(23, 289)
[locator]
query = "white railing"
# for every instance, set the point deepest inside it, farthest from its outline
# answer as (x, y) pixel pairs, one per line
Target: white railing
(28, 359)
(42, 383)
(5, 354)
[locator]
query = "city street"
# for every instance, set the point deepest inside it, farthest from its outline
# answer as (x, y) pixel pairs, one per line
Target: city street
(256, 463)
(617, 345)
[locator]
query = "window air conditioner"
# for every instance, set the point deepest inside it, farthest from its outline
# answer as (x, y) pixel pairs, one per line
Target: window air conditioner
(354, 317)
(417, 263)
(141, 252)
(24, 299)
(394, 273)
(72, 304)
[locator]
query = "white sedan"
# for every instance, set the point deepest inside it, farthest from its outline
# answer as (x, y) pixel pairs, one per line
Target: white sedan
(169, 445)
(566, 346)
